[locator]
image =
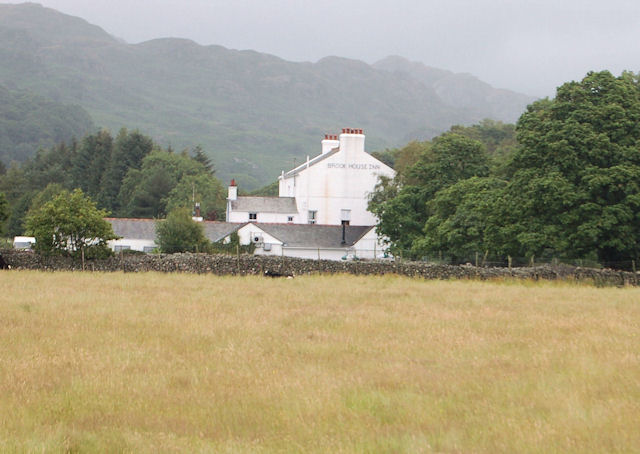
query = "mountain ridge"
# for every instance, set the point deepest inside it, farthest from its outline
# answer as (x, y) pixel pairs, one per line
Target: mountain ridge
(253, 113)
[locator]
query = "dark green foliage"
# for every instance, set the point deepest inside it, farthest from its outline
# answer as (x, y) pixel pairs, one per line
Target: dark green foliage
(154, 180)
(166, 181)
(70, 224)
(17, 213)
(91, 161)
(4, 211)
(179, 233)
(205, 189)
(401, 204)
(129, 150)
(199, 155)
(460, 220)
(570, 189)
(588, 137)
(232, 247)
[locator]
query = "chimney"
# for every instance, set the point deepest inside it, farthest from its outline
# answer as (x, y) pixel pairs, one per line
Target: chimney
(233, 191)
(329, 143)
(352, 143)
(196, 213)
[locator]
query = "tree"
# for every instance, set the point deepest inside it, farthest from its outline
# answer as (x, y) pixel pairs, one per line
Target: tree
(179, 233)
(70, 224)
(586, 140)
(129, 150)
(90, 162)
(401, 204)
(206, 189)
(199, 155)
(4, 211)
(461, 217)
(145, 192)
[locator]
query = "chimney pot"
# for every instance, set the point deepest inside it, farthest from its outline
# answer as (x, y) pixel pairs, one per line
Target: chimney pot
(233, 182)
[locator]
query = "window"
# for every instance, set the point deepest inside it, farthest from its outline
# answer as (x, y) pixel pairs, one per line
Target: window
(253, 216)
(121, 247)
(289, 218)
(148, 249)
(345, 216)
(312, 216)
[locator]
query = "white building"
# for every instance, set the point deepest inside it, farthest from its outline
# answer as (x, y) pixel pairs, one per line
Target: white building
(140, 234)
(330, 189)
(317, 242)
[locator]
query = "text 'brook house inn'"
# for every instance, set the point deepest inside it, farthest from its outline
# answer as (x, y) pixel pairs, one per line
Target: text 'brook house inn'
(320, 213)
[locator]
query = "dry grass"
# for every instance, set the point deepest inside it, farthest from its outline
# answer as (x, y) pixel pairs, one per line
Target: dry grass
(184, 363)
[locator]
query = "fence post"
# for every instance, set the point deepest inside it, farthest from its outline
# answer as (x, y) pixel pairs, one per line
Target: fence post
(509, 260)
(476, 259)
(635, 274)
(238, 257)
(82, 253)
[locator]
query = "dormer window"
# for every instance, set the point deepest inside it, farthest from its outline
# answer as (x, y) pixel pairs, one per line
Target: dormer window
(253, 216)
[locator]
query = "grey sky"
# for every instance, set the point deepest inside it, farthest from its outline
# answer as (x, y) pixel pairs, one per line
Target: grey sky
(529, 46)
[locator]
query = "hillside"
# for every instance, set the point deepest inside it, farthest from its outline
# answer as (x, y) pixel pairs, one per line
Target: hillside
(29, 122)
(253, 113)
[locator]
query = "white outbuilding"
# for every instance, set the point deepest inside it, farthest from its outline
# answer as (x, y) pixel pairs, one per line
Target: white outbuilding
(321, 242)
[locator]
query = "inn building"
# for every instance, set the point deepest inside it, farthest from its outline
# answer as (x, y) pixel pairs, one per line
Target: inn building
(331, 188)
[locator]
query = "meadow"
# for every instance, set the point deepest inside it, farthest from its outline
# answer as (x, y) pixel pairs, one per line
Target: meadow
(93, 362)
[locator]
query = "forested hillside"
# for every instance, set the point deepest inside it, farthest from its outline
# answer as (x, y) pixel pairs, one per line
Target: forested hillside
(252, 113)
(29, 121)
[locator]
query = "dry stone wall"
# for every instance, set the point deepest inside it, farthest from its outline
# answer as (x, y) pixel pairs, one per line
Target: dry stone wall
(285, 266)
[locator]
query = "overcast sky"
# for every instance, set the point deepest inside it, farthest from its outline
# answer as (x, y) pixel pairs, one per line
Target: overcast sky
(531, 46)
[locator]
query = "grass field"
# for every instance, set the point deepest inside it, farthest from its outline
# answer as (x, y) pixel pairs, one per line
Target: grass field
(185, 363)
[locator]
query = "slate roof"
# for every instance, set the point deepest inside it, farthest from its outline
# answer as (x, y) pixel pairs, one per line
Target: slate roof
(137, 229)
(265, 204)
(313, 161)
(314, 235)
(145, 229)
(216, 231)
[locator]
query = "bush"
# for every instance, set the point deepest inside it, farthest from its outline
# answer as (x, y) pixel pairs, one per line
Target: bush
(180, 233)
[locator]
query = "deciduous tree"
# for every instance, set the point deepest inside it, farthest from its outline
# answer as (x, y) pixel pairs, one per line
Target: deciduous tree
(70, 224)
(179, 233)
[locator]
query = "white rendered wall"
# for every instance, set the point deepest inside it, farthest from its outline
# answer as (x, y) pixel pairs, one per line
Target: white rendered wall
(341, 181)
(246, 234)
(135, 245)
(370, 246)
(267, 218)
(312, 254)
